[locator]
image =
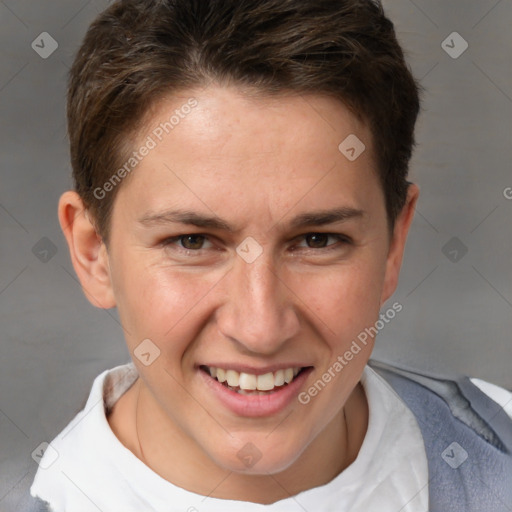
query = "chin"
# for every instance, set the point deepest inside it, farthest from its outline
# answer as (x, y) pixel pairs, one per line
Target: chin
(258, 457)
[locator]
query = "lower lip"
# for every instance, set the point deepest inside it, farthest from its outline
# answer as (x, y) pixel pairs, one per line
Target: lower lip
(256, 405)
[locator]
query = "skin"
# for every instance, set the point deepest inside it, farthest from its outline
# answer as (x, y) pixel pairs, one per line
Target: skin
(256, 163)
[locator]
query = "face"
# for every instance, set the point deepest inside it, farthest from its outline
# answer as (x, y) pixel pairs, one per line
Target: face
(246, 246)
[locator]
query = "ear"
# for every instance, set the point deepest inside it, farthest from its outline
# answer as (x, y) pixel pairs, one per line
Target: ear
(397, 245)
(88, 252)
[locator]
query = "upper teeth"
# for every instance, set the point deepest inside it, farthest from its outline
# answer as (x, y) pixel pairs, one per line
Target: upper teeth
(249, 381)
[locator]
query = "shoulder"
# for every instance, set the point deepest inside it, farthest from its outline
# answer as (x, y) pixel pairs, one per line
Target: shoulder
(467, 436)
(473, 402)
(85, 446)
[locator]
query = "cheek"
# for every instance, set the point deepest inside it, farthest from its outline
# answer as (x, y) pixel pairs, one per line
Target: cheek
(159, 302)
(347, 303)
(347, 298)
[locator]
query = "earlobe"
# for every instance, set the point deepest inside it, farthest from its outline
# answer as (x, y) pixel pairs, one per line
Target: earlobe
(397, 245)
(88, 252)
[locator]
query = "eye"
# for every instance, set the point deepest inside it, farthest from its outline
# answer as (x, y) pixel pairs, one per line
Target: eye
(319, 240)
(190, 242)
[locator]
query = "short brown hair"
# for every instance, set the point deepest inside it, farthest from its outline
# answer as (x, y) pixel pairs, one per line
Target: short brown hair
(137, 51)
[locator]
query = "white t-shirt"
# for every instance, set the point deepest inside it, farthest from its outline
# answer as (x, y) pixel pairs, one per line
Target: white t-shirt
(86, 468)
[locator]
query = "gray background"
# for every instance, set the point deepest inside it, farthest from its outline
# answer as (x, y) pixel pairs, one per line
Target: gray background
(456, 316)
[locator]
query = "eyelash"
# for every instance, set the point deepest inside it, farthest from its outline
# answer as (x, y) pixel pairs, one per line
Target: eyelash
(343, 239)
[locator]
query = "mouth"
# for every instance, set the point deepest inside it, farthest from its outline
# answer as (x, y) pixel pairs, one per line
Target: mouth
(250, 384)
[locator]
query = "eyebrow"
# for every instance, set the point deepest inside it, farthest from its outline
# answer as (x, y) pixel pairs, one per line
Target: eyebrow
(315, 218)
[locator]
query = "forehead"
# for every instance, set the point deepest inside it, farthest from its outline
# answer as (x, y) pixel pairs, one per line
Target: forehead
(219, 144)
(221, 116)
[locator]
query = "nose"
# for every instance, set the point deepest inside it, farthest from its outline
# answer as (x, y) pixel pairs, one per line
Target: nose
(258, 313)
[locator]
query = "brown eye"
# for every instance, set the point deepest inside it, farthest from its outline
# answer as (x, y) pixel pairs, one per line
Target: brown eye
(192, 242)
(318, 240)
